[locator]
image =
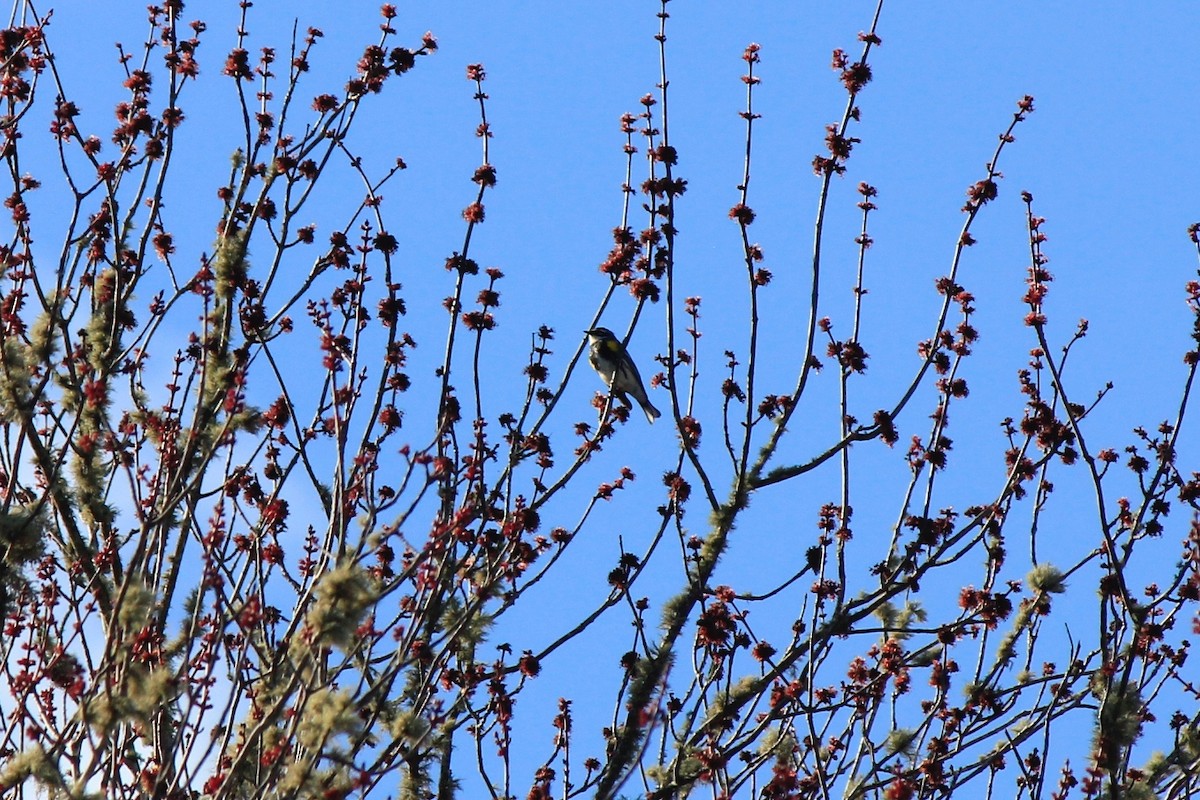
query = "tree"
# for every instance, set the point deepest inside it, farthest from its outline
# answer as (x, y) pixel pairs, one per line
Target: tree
(249, 551)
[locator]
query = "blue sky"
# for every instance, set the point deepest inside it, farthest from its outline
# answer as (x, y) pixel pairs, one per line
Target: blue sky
(1109, 155)
(1106, 154)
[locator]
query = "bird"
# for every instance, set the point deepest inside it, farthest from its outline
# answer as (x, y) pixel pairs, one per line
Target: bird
(612, 363)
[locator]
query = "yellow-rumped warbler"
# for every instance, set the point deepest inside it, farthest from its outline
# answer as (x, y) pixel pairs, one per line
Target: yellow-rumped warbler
(614, 366)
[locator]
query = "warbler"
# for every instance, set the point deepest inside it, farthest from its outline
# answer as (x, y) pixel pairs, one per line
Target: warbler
(612, 363)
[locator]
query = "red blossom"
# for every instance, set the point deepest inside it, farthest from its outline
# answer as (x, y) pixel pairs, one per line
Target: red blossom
(237, 64)
(742, 214)
(856, 76)
(485, 175)
(473, 213)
